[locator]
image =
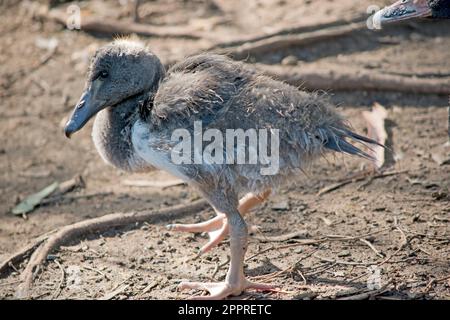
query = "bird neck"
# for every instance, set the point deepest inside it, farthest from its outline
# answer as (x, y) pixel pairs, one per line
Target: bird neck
(112, 133)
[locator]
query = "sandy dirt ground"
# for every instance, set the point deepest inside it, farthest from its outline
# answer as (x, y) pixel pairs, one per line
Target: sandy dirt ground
(404, 217)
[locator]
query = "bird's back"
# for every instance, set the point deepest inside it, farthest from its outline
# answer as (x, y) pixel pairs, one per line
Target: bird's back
(224, 94)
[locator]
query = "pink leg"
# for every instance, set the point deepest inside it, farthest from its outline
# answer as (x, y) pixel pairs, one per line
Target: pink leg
(207, 226)
(217, 227)
(235, 282)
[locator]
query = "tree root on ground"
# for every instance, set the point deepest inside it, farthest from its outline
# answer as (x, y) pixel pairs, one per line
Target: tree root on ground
(115, 27)
(44, 245)
(307, 31)
(338, 79)
(280, 42)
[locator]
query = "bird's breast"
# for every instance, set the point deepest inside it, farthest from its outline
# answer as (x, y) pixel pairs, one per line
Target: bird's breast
(154, 150)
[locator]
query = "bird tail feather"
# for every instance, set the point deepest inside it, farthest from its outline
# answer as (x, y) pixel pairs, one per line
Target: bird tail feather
(335, 139)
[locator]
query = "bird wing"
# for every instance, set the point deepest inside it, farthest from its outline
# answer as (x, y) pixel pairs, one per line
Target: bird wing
(200, 88)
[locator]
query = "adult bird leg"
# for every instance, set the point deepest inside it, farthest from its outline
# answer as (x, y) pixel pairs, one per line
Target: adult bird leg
(217, 227)
(235, 282)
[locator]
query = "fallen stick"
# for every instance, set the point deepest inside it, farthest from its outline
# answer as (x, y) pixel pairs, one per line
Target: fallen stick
(434, 281)
(283, 237)
(218, 266)
(113, 27)
(114, 293)
(9, 283)
(316, 272)
(345, 182)
(97, 271)
(403, 244)
(368, 294)
(299, 29)
(347, 263)
(62, 198)
(79, 229)
(371, 246)
(280, 42)
(336, 78)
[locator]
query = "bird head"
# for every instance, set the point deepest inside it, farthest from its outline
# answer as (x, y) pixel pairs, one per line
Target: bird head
(403, 10)
(118, 71)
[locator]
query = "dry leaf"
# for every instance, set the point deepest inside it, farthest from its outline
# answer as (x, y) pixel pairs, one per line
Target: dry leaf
(33, 200)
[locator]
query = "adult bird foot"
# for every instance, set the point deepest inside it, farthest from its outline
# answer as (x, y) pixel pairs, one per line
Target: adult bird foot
(222, 290)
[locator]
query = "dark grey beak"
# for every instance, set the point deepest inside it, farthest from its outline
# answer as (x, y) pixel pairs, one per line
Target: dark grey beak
(83, 111)
(402, 10)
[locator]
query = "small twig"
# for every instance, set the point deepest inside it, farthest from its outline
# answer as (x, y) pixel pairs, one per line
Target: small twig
(321, 270)
(357, 277)
(297, 243)
(272, 275)
(344, 237)
(9, 283)
(259, 252)
(425, 251)
(97, 271)
(281, 238)
(61, 197)
(367, 295)
(291, 268)
(61, 281)
(149, 287)
(330, 237)
(12, 266)
(218, 266)
(435, 281)
(441, 238)
(336, 186)
(345, 182)
(117, 289)
(114, 293)
(371, 247)
(403, 243)
(302, 276)
(348, 263)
